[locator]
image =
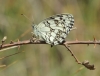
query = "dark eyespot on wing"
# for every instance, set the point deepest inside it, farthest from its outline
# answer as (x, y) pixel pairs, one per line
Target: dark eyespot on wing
(52, 18)
(64, 20)
(48, 22)
(61, 18)
(59, 15)
(56, 22)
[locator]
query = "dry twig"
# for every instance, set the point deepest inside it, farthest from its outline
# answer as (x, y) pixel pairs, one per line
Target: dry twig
(42, 42)
(34, 41)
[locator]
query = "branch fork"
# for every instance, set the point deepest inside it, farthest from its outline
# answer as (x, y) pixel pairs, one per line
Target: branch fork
(66, 44)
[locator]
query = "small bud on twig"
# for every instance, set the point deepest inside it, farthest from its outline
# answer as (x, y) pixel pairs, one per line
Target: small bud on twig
(4, 39)
(87, 65)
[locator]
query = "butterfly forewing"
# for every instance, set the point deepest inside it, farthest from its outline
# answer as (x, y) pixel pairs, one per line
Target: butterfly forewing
(55, 29)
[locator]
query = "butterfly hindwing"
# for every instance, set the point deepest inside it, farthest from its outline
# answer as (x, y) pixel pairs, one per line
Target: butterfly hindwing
(55, 29)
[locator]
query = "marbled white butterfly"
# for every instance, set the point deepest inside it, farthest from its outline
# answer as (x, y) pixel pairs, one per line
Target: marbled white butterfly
(54, 29)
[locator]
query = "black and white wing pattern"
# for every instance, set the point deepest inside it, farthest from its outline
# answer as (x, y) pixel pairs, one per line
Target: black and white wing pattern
(54, 29)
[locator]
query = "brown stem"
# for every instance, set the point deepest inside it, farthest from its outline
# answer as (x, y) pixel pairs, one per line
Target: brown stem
(72, 54)
(42, 42)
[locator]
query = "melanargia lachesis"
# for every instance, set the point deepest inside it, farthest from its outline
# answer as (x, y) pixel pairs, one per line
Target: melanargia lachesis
(54, 29)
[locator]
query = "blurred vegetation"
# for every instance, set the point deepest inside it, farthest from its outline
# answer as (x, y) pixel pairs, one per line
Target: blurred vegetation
(42, 60)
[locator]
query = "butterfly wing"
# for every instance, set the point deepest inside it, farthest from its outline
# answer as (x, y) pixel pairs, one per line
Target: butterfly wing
(55, 29)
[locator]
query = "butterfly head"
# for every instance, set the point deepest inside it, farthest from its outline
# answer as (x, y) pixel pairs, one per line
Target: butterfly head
(34, 30)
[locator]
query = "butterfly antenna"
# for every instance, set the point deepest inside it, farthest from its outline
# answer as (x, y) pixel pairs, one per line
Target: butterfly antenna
(32, 18)
(28, 18)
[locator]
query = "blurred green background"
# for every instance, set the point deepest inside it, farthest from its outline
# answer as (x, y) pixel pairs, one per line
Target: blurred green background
(42, 60)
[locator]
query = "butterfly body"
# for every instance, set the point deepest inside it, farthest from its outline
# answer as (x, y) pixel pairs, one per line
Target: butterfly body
(55, 29)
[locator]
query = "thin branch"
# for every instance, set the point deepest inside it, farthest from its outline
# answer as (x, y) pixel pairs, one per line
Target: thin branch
(84, 63)
(42, 42)
(11, 55)
(66, 44)
(73, 54)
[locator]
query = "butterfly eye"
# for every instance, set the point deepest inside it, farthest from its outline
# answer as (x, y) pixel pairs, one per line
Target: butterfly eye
(33, 26)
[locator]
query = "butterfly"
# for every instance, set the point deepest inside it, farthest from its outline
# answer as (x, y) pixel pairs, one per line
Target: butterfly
(54, 29)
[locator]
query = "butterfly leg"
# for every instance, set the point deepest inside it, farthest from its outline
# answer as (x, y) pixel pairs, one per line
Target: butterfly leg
(52, 45)
(34, 38)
